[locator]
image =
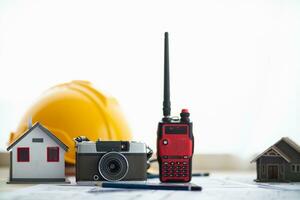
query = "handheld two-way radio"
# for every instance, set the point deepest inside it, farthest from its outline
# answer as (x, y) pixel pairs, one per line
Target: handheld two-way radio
(175, 140)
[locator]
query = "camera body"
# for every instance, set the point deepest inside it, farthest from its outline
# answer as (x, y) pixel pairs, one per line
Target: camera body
(110, 161)
(175, 146)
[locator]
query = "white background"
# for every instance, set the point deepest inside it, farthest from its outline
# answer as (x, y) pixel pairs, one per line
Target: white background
(234, 64)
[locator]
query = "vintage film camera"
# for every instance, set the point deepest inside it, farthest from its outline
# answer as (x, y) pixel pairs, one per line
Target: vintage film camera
(110, 160)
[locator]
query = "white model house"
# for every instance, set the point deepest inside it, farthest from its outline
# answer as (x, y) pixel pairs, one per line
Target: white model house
(37, 156)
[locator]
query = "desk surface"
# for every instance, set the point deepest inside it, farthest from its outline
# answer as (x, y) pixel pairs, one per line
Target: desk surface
(225, 185)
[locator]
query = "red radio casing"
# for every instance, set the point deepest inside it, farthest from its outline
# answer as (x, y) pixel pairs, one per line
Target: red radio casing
(175, 148)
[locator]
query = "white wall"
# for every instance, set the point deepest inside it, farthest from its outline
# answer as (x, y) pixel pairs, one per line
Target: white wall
(234, 64)
(38, 167)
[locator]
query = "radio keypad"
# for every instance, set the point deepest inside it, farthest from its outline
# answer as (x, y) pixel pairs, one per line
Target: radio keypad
(175, 169)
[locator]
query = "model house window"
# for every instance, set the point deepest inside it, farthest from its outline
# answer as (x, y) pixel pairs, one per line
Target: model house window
(296, 168)
(53, 154)
(38, 140)
(23, 154)
(263, 168)
(293, 168)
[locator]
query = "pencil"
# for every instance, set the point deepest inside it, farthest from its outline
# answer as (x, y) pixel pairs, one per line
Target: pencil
(152, 186)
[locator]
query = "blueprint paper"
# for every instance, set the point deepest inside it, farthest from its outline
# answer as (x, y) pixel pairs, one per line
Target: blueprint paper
(224, 188)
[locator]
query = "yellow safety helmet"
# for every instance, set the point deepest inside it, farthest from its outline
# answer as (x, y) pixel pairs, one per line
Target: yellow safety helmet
(73, 109)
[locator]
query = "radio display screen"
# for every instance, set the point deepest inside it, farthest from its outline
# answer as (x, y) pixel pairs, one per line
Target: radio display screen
(176, 129)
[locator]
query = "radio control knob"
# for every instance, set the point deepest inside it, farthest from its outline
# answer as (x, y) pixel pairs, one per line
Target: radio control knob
(185, 115)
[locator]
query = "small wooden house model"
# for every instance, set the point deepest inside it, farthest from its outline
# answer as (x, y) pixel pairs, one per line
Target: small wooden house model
(37, 156)
(279, 163)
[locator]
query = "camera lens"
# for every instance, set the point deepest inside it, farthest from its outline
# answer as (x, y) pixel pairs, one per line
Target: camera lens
(113, 166)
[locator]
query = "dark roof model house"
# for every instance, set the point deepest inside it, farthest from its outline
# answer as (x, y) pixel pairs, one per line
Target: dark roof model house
(279, 163)
(37, 156)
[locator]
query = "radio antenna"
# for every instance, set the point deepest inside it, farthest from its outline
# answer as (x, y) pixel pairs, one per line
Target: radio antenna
(166, 102)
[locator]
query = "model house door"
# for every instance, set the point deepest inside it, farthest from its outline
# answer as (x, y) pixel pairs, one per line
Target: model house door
(273, 172)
